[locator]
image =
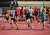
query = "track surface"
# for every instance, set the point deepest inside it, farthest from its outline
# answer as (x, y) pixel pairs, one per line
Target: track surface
(23, 29)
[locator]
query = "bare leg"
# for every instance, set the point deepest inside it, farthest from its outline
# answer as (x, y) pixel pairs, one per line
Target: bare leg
(5, 23)
(29, 24)
(12, 23)
(16, 25)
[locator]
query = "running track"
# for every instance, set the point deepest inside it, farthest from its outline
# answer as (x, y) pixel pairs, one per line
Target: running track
(24, 30)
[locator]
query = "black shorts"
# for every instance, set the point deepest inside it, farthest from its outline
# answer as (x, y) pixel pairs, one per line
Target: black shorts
(36, 14)
(13, 19)
(49, 15)
(43, 20)
(31, 17)
(27, 17)
(7, 18)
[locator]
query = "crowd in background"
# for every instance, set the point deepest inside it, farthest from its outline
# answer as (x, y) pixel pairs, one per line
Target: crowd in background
(35, 11)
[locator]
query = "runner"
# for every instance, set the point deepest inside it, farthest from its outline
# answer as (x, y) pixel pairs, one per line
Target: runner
(17, 14)
(22, 13)
(28, 19)
(43, 18)
(31, 14)
(36, 13)
(13, 19)
(6, 17)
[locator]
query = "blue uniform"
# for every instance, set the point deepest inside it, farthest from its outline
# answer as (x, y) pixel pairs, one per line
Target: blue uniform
(43, 17)
(12, 15)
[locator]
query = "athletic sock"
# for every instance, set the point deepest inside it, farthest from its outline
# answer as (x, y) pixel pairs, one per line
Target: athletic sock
(31, 27)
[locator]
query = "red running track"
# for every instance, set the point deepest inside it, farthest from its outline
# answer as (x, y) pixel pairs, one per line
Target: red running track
(24, 30)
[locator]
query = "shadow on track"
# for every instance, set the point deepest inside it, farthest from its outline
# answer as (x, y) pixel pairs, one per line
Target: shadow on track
(24, 29)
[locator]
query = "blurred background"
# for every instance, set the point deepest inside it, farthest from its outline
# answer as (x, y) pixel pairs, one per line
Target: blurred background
(22, 3)
(11, 5)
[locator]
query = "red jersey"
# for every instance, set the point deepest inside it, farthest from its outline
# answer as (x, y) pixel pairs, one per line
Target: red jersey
(22, 11)
(25, 10)
(17, 12)
(36, 11)
(33, 11)
(7, 11)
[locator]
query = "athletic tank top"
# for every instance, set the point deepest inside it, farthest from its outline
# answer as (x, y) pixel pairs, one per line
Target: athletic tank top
(7, 15)
(45, 11)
